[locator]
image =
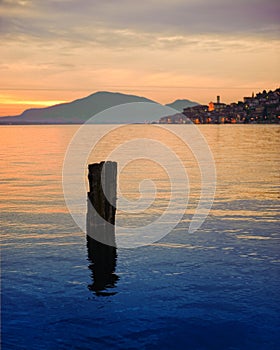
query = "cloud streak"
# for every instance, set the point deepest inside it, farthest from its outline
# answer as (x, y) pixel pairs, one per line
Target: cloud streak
(71, 19)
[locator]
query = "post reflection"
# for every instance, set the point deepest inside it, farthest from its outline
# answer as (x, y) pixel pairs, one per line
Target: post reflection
(103, 260)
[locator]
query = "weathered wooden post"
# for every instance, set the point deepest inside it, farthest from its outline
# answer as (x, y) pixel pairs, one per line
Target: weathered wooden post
(102, 197)
(101, 213)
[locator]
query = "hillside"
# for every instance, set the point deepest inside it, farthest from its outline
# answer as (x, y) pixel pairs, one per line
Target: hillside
(80, 110)
(75, 112)
(180, 105)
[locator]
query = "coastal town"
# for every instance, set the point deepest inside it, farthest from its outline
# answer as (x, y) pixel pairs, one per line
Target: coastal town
(262, 108)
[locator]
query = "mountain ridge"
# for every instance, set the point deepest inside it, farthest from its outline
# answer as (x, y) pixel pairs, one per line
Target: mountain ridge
(77, 111)
(180, 104)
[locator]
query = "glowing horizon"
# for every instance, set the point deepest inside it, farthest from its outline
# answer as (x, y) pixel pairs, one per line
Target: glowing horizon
(12, 106)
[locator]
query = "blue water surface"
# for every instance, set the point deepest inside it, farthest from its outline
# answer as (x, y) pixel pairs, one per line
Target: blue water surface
(207, 290)
(215, 289)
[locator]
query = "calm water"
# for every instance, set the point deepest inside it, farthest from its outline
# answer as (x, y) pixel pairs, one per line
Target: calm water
(217, 288)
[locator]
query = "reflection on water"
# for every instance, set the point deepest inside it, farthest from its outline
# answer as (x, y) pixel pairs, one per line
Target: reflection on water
(217, 288)
(246, 157)
(103, 259)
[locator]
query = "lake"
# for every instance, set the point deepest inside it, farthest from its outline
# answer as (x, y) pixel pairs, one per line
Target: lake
(215, 288)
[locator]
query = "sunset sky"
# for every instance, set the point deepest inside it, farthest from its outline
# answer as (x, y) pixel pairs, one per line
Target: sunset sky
(54, 51)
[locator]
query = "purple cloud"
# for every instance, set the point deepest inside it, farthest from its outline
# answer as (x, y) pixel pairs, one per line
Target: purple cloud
(70, 18)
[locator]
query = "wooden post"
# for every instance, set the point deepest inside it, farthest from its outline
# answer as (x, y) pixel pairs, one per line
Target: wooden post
(102, 202)
(101, 243)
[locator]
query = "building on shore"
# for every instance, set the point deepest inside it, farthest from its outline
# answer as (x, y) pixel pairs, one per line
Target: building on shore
(262, 108)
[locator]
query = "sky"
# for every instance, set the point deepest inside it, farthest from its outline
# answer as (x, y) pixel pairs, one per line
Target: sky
(55, 51)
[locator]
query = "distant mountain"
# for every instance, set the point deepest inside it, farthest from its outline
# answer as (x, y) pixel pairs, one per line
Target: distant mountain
(179, 105)
(76, 112)
(79, 111)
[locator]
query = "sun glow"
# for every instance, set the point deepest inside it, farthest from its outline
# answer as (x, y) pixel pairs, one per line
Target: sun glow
(11, 101)
(12, 105)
